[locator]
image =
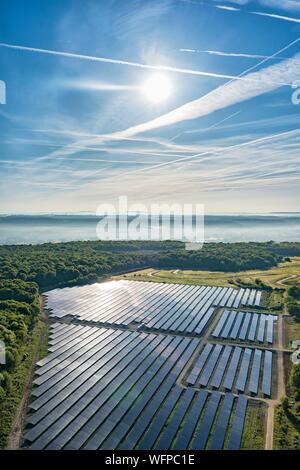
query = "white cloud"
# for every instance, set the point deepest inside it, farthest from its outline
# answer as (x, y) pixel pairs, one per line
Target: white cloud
(291, 5)
(224, 7)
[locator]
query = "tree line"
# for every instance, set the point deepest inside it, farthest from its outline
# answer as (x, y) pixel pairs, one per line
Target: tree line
(61, 264)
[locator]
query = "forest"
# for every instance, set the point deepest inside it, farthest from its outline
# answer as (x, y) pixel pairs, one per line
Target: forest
(60, 264)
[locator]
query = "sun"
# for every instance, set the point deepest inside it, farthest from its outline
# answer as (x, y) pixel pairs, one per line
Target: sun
(157, 88)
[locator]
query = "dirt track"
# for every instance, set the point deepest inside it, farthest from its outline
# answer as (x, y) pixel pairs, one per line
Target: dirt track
(281, 282)
(280, 386)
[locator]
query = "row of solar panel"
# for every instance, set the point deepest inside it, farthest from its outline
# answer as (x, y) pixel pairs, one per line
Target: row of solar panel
(169, 314)
(63, 297)
(109, 386)
(191, 420)
(168, 307)
(245, 326)
(233, 368)
(129, 399)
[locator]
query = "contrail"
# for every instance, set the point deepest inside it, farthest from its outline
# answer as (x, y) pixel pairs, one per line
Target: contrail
(200, 107)
(128, 63)
(216, 151)
(232, 54)
(277, 17)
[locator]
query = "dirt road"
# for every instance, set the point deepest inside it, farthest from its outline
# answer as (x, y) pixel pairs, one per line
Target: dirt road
(280, 386)
(281, 282)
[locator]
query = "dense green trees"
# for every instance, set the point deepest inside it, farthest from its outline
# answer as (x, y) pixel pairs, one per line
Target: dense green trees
(61, 264)
(293, 303)
(19, 309)
(295, 376)
(294, 292)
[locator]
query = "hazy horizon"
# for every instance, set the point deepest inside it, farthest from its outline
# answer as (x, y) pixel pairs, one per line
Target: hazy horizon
(42, 228)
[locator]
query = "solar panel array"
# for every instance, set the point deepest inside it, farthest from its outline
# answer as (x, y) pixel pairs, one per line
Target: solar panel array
(245, 326)
(232, 368)
(162, 307)
(109, 389)
(107, 385)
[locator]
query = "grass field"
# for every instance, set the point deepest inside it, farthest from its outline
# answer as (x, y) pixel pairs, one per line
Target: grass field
(286, 429)
(272, 277)
(254, 428)
(292, 329)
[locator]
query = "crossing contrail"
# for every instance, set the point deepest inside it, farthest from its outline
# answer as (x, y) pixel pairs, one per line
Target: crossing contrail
(128, 63)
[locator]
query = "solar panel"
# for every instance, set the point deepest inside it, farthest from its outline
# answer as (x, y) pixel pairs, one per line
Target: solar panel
(67, 374)
(88, 389)
(267, 373)
(253, 326)
(270, 326)
(202, 434)
(114, 389)
(252, 297)
(98, 391)
(221, 323)
(219, 372)
(230, 375)
(147, 414)
(164, 443)
(222, 423)
(228, 325)
(185, 434)
(257, 299)
(191, 379)
(158, 422)
(245, 326)
(232, 298)
(212, 360)
(237, 324)
(237, 426)
(242, 376)
(226, 297)
(238, 298)
(254, 376)
(245, 297)
(172, 322)
(261, 328)
(99, 437)
(220, 296)
(200, 312)
(204, 321)
(93, 423)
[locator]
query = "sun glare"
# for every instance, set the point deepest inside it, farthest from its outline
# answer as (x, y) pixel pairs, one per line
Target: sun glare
(157, 88)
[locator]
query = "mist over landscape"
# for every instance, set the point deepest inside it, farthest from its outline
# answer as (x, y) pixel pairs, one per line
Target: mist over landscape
(18, 229)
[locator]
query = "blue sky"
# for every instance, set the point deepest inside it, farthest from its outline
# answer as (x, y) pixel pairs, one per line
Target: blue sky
(77, 129)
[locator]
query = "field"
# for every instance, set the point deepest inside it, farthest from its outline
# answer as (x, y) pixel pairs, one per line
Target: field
(141, 365)
(289, 272)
